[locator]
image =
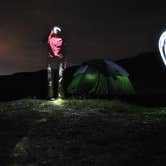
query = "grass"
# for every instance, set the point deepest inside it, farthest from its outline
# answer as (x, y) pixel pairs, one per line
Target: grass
(81, 133)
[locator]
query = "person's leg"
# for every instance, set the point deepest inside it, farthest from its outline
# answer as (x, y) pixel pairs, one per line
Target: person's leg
(60, 80)
(50, 74)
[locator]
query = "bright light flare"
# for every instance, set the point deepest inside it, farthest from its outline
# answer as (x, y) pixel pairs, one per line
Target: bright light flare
(162, 46)
(59, 102)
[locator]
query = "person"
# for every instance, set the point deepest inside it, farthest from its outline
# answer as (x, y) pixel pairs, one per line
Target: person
(55, 42)
(55, 58)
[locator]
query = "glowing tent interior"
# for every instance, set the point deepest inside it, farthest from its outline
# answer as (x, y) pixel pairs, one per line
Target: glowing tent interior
(100, 78)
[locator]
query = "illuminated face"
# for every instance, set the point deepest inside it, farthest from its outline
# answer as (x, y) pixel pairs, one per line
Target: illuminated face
(162, 47)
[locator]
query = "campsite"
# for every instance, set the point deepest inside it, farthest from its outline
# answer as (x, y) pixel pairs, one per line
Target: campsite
(110, 116)
(82, 83)
(140, 79)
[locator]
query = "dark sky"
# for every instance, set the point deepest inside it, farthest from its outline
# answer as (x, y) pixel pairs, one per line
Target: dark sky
(93, 29)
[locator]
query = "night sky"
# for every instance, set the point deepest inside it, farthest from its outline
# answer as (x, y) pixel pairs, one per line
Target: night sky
(92, 29)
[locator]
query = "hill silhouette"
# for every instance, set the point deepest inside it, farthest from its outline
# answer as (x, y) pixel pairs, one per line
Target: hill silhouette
(21, 85)
(147, 73)
(30, 84)
(146, 70)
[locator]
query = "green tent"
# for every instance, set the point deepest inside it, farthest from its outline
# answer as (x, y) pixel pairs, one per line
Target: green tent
(100, 78)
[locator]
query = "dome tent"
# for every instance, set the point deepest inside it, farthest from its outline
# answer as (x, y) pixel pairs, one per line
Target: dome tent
(100, 78)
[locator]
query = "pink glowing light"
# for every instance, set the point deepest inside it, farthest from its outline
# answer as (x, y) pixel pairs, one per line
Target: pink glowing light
(55, 43)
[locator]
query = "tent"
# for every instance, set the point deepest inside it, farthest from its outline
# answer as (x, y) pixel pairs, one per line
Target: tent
(100, 78)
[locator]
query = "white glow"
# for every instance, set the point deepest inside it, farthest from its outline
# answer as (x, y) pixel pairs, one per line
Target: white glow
(56, 29)
(162, 46)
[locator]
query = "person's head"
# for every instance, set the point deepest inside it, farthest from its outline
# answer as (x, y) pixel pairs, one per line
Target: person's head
(56, 29)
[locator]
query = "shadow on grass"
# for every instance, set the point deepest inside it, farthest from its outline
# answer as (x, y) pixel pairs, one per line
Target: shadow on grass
(81, 132)
(92, 140)
(13, 127)
(151, 100)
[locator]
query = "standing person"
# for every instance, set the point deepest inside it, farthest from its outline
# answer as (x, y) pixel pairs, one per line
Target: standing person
(55, 58)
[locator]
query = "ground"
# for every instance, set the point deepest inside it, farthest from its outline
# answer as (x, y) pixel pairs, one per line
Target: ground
(81, 133)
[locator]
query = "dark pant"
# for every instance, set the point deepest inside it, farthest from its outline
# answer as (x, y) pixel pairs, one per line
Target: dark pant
(54, 65)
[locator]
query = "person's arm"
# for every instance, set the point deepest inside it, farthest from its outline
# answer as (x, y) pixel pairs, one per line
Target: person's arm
(50, 35)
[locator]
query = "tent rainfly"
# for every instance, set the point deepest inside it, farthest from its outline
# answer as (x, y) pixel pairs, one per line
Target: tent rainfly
(100, 78)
